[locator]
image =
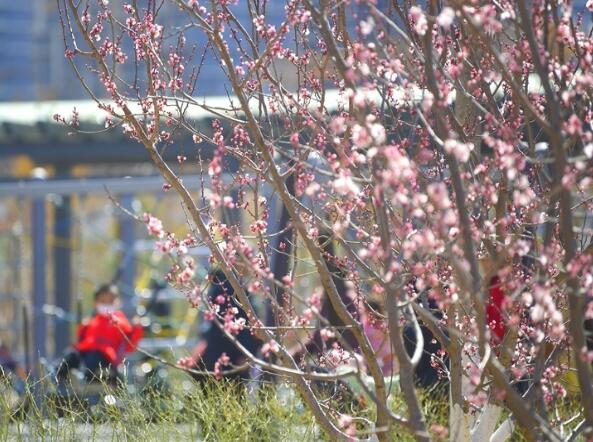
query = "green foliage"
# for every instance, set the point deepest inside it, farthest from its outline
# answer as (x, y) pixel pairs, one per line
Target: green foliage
(214, 411)
(210, 411)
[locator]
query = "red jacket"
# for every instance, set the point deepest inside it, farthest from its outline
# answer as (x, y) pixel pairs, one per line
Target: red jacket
(494, 310)
(106, 334)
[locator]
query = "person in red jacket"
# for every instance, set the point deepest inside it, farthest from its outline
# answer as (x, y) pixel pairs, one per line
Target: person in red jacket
(104, 339)
(494, 310)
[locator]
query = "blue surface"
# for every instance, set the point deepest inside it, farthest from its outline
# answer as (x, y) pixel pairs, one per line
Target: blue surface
(32, 64)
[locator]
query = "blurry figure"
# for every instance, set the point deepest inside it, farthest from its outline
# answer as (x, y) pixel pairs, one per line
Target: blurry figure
(11, 369)
(213, 341)
(8, 364)
(427, 370)
(104, 339)
(494, 311)
(496, 300)
(376, 330)
(316, 344)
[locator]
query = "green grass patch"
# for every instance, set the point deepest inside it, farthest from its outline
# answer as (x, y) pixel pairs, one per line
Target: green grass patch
(215, 411)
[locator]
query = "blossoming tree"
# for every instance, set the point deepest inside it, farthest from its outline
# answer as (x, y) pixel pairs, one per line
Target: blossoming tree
(441, 148)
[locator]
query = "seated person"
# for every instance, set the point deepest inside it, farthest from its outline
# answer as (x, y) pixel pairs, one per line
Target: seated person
(104, 339)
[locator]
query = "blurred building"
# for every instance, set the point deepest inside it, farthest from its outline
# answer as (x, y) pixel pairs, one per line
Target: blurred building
(32, 64)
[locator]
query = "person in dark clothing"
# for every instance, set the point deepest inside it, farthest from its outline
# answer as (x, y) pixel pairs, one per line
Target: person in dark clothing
(214, 342)
(426, 374)
(316, 344)
(11, 370)
(7, 362)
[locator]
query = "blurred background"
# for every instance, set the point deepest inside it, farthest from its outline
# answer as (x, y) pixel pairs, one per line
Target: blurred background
(60, 233)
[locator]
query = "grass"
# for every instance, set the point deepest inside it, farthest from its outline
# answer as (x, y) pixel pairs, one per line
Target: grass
(213, 411)
(216, 412)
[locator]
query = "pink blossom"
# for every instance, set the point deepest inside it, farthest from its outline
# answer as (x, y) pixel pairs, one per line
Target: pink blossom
(258, 226)
(338, 125)
(308, 314)
(164, 246)
(227, 202)
(337, 356)
(312, 189)
(573, 126)
(446, 18)
(419, 20)
(270, 347)
(154, 225)
(361, 136)
(427, 101)
(326, 334)
(222, 361)
(345, 420)
(186, 275)
(460, 150)
(345, 185)
(377, 131)
(209, 315)
(537, 313)
(367, 26)
(186, 362)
